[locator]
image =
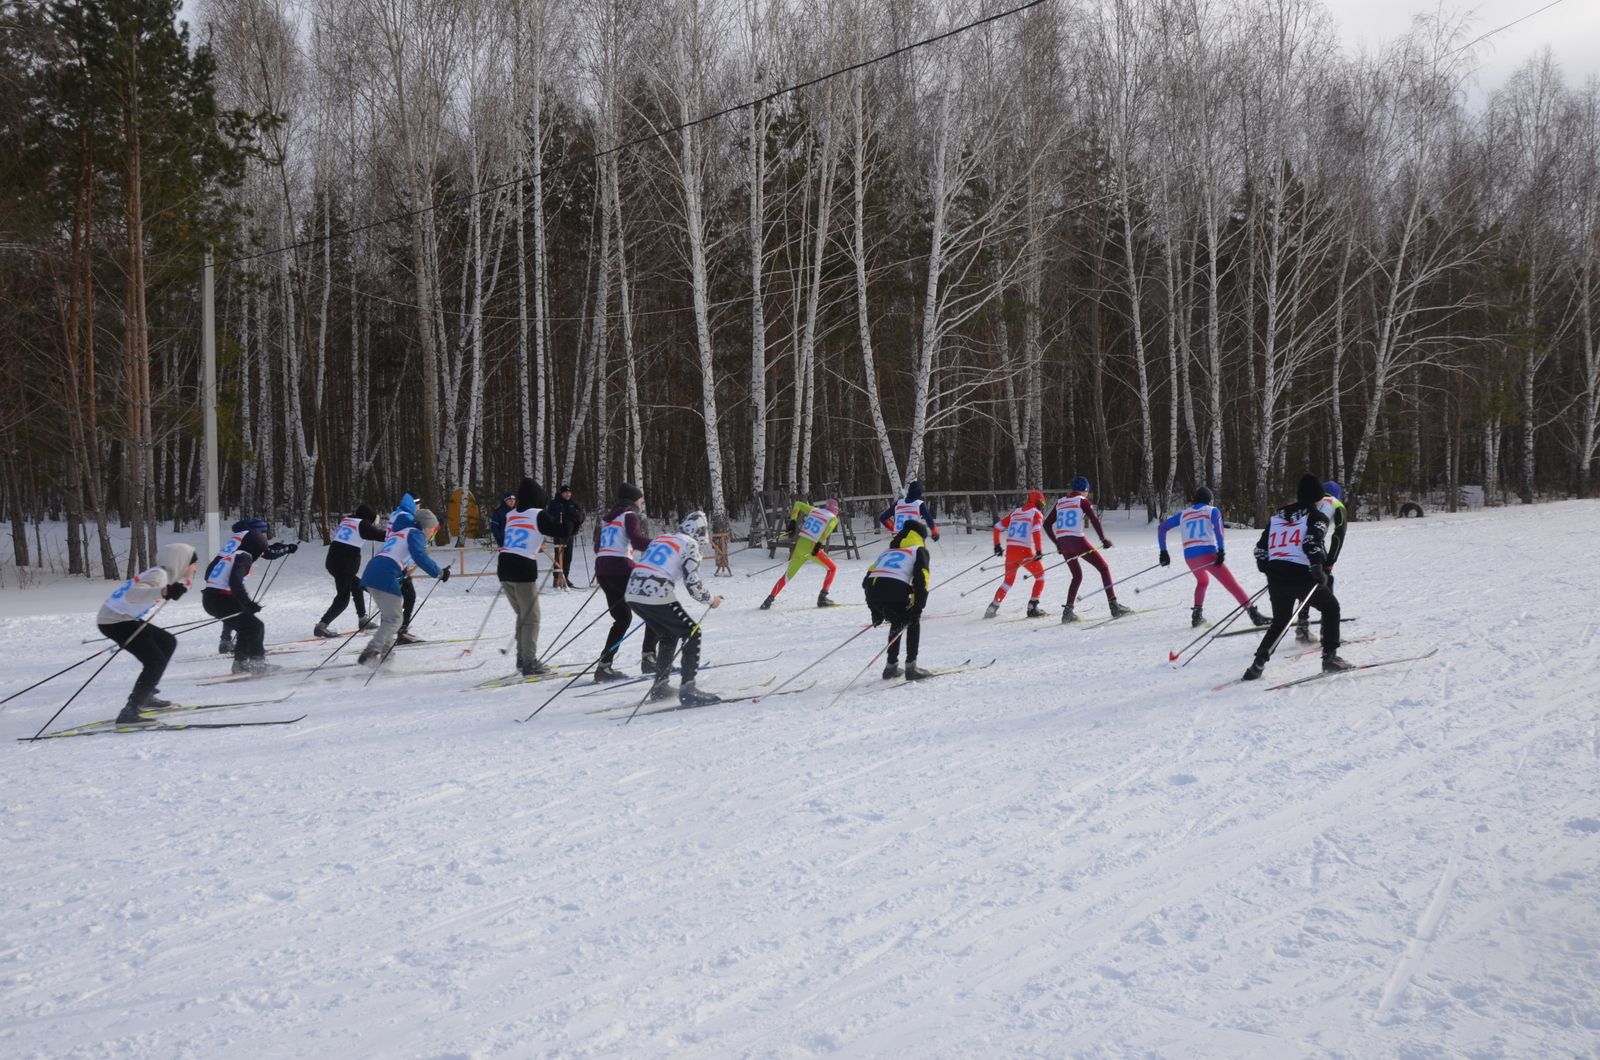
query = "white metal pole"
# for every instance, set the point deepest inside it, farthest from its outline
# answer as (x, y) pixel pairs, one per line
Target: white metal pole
(208, 354)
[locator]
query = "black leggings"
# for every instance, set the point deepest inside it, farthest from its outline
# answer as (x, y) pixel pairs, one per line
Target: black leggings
(671, 623)
(249, 632)
(615, 586)
(347, 588)
(151, 645)
(1286, 594)
(408, 602)
(905, 618)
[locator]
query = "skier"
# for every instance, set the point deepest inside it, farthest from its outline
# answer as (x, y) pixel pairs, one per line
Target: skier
(652, 593)
(518, 570)
(235, 539)
(406, 544)
(1332, 506)
(897, 586)
(226, 597)
(408, 591)
(616, 537)
(1204, 550)
(1292, 553)
(815, 524)
(566, 509)
(125, 618)
(343, 562)
(1072, 540)
(894, 517)
(1024, 533)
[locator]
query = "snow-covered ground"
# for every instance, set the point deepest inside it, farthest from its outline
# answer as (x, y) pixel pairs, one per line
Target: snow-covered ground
(1078, 852)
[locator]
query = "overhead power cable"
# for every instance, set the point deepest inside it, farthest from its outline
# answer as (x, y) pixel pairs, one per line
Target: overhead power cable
(638, 141)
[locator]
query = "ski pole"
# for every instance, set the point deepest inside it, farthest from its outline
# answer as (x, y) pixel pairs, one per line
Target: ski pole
(571, 640)
(969, 570)
(142, 627)
(675, 653)
(493, 556)
(1227, 620)
(481, 625)
(586, 669)
(892, 641)
(791, 678)
(1036, 556)
(1162, 582)
(390, 649)
(575, 615)
(1137, 573)
(1292, 618)
(764, 570)
(341, 646)
(55, 675)
(1222, 627)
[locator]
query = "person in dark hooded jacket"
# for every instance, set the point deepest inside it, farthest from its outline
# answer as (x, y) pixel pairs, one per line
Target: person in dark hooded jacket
(897, 587)
(226, 597)
(344, 564)
(497, 518)
(518, 570)
(895, 517)
(617, 538)
(1292, 553)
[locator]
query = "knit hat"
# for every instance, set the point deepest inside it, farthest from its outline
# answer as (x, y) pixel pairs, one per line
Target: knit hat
(627, 493)
(694, 525)
(914, 490)
(426, 520)
(564, 488)
(1202, 495)
(259, 525)
(1309, 491)
(531, 495)
(1035, 499)
(1333, 489)
(1080, 484)
(832, 505)
(364, 512)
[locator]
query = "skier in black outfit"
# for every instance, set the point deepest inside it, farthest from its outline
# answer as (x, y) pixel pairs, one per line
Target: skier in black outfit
(226, 597)
(897, 590)
(1292, 553)
(617, 538)
(566, 509)
(344, 564)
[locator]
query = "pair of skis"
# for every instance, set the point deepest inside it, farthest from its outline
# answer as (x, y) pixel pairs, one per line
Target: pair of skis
(1333, 673)
(154, 720)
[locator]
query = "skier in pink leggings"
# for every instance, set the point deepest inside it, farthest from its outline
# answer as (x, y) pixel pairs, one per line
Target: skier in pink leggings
(1200, 526)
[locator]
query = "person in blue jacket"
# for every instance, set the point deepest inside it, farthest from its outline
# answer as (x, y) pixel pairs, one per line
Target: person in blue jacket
(1200, 526)
(895, 517)
(406, 546)
(497, 518)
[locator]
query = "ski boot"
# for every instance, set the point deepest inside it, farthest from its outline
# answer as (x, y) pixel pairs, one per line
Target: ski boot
(323, 631)
(647, 662)
(691, 696)
(915, 672)
(1034, 610)
(1254, 673)
(1257, 617)
(130, 714)
(1118, 610)
(408, 638)
(1068, 614)
(1332, 664)
(225, 645)
(1302, 633)
(823, 600)
(992, 610)
(661, 689)
(370, 658)
(153, 702)
(606, 672)
(368, 622)
(1197, 617)
(892, 671)
(766, 605)
(532, 668)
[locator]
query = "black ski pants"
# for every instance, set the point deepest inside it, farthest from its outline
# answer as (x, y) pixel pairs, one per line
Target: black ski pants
(896, 604)
(615, 586)
(1286, 591)
(408, 602)
(151, 645)
(671, 623)
(347, 589)
(249, 632)
(1305, 616)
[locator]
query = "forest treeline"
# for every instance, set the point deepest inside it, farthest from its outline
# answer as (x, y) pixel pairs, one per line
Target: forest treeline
(1157, 243)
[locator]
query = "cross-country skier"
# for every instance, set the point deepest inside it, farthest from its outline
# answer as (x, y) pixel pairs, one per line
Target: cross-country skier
(124, 618)
(1292, 553)
(1023, 531)
(225, 595)
(1073, 513)
(897, 586)
(518, 570)
(1332, 506)
(408, 591)
(343, 562)
(895, 517)
(616, 537)
(814, 524)
(1200, 528)
(235, 539)
(652, 593)
(406, 544)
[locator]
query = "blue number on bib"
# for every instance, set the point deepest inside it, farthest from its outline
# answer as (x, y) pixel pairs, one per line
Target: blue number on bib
(212, 570)
(1196, 529)
(892, 560)
(610, 537)
(122, 590)
(1067, 519)
(516, 537)
(814, 524)
(658, 554)
(345, 534)
(1018, 531)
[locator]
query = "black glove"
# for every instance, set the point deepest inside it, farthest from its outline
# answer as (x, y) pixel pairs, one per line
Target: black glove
(176, 591)
(999, 551)
(1261, 560)
(1165, 559)
(444, 575)
(253, 607)
(1318, 573)
(278, 550)
(1222, 557)
(791, 527)
(877, 616)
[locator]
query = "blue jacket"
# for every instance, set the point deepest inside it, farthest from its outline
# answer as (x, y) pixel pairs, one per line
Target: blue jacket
(384, 573)
(1201, 548)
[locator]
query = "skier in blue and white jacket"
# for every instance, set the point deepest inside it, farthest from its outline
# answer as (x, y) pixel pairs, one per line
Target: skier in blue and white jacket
(406, 546)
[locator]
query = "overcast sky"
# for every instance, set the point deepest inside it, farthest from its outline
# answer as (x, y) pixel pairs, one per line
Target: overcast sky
(1571, 29)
